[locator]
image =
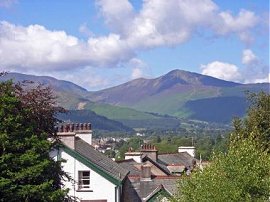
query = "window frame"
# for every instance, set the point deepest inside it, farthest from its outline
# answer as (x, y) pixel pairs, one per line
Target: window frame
(81, 180)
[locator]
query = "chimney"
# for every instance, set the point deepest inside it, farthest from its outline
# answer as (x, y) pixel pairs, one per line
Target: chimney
(66, 135)
(136, 156)
(68, 132)
(84, 131)
(150, 151)
(145, 173)
(190, 150)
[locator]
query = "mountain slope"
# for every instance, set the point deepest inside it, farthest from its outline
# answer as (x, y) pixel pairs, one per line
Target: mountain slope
(176, 81)
(103, 116)
(97, 121)
(147, 102)
(68, 93)
(180, 93)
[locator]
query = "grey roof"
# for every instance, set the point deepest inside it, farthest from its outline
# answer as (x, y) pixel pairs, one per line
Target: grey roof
(100, 160)
(129, 164)
(138, 190)
(182, 158)
(161, 166)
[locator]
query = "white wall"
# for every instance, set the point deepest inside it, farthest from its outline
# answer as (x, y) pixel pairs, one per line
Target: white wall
(100, 187)
(136, 156)
(190, 150)
(87, 137)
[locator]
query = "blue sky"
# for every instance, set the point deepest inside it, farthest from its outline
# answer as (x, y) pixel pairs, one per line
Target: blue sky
(102, 43)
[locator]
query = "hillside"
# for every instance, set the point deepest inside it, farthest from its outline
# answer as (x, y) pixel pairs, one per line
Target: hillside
(182, 94)
(98, 122)
(102, 116)
(67, 93)
(161, 102)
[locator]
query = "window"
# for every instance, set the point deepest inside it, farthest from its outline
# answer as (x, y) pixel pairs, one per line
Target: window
(84, 180)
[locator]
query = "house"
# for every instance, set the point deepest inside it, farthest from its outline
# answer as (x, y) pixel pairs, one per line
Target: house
(153, 176)
(96, 178)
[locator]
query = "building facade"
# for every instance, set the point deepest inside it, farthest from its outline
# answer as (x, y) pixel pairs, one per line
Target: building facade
(95, 177)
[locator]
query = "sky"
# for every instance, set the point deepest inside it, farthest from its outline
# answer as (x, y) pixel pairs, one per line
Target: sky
(102, 43)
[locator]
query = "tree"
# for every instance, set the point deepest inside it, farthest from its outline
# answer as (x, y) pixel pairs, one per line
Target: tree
(241, 174)
(257, 121)
(27, 119)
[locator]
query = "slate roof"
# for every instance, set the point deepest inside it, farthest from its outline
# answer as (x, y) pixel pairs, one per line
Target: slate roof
(158, 164)
(129, 164)
(138, 190)
(100, 160)
(182, 158)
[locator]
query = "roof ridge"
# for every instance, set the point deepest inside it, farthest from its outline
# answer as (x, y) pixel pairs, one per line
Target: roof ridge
(99, 161)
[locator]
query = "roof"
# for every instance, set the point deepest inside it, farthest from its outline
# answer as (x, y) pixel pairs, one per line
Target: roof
(182, 158)
(147, 189)
(176, 168)
(129, 164)
(159, 191)
(97, 161)
(162, 167)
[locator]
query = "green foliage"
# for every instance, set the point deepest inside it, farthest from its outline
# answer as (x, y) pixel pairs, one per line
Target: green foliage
(133, 143)
(242, 173)
(27, 173)
(257, 121)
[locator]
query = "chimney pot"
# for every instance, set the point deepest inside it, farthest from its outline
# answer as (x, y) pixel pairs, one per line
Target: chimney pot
(85, 126)
(72, 127)
(76, 126)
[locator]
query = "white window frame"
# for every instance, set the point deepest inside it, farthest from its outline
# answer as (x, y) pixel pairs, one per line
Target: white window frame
(82, 180)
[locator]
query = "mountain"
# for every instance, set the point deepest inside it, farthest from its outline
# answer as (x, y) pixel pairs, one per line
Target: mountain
(68, 93)
(162, 102)
(141, 90)
(58, 85)
(182, 94)
(102, 116)
(98, 122)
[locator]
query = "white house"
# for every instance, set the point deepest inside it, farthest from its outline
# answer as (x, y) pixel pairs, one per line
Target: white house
(96, 177)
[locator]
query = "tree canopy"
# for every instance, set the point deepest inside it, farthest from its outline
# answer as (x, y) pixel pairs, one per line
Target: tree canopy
(27, 117)
(242, 173)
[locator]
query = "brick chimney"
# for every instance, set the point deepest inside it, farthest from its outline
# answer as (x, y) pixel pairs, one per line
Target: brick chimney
(68, 132)
(145, 173)
(150, 151)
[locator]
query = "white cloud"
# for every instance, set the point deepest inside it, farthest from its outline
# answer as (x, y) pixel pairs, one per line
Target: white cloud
(253, 71)
(35, 47)
(263, 80)
(136, 73)
(158, 23)
(221, 70)
(173, 22)
(118, 15)
(242, 22)
(85, 30)
(249, 58)
(139, 68)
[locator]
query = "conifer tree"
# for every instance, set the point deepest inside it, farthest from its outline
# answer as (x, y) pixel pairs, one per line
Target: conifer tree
(27, 119)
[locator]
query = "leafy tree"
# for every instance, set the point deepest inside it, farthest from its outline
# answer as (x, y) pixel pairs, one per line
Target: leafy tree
(257, 121)
(27, 119)
(241, 174)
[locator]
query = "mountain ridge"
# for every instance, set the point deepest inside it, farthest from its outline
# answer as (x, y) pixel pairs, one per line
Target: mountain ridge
(178, 93)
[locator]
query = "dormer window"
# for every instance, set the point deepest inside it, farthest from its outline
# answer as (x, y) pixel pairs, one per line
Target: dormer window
(84, 180)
